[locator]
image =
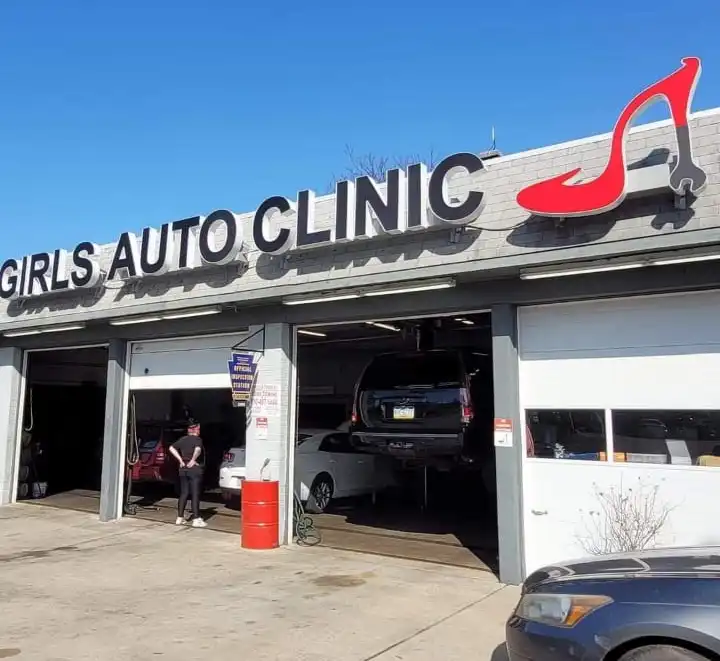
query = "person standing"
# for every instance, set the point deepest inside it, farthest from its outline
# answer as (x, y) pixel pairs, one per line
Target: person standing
(190, 454)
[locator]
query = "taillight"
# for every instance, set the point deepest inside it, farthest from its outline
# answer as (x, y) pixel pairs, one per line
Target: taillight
(160, 456)
(228, 457)
(354, 416)
(467, 409)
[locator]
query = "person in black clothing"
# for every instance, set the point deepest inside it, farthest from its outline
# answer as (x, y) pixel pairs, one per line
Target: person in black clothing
(190, 454)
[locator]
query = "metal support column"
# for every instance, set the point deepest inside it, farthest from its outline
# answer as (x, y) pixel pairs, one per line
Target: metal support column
(508, 460)
(10, 396)
(113, 461)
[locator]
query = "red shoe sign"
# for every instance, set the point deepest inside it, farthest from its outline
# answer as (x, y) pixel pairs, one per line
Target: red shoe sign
(559, 197)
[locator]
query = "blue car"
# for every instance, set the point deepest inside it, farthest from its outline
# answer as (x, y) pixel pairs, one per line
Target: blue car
(661, 605)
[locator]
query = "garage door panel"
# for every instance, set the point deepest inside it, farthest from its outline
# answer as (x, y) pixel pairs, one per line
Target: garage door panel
(199, 362)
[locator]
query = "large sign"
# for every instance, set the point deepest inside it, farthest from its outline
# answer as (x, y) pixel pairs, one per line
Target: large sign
(414, 200)
(562, 196)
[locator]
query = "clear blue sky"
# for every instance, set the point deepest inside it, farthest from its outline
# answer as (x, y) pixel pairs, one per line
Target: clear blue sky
(121, 114)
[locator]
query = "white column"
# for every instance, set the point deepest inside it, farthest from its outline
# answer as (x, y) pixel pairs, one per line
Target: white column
(10, 386)
(271, 417)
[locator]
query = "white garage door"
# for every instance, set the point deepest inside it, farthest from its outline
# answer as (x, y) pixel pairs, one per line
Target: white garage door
(188, 363)
(619, 396)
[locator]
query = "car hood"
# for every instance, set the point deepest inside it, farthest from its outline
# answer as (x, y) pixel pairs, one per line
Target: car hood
(702, 561)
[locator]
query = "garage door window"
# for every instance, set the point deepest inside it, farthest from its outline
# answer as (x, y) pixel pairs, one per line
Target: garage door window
(567, 434)
(667, 437)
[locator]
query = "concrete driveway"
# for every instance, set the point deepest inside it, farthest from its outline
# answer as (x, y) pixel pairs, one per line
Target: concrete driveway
(73, 588)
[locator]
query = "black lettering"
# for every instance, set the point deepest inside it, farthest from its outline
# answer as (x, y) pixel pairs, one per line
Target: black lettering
(233, 238)
(417, 196)
(39, 267)
(306, 220)
(23, 277)
(58, 282)
(344, 207)
(89, 271)
(125, 257)
(159, 243)
(9, 282)
(184, 227)
(461, 213)
(387, 212)
(281, 243)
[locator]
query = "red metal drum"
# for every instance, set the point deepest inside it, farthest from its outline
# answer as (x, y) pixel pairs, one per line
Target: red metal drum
(260, 515)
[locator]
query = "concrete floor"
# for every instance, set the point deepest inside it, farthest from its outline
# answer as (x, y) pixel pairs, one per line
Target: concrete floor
(73, 588)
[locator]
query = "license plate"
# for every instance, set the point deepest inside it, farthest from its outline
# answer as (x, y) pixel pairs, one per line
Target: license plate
(404, 413)
(400, 445)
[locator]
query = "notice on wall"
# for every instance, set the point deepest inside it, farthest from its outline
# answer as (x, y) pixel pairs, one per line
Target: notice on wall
(503, 433)
(266, 400)
(261, 429)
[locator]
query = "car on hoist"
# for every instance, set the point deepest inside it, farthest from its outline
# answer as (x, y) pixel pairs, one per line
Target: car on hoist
(327, 467)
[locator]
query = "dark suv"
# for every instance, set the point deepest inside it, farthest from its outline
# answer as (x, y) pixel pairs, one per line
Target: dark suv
(427, 406)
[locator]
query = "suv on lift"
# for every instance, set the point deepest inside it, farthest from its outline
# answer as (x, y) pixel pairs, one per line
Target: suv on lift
(431, 407)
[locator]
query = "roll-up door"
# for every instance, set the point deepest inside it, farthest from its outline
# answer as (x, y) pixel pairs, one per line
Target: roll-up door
(621, 400)
(186, 363)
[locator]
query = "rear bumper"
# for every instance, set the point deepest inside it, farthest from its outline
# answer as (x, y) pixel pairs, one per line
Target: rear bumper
(406, 445)
(231, 481)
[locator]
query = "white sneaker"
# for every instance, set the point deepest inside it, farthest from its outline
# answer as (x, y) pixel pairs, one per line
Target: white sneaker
(199, 523)
(179, 521)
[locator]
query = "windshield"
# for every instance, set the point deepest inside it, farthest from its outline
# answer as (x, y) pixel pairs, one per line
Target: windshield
(413, 371)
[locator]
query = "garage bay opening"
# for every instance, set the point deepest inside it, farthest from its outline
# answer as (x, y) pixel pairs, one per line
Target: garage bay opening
(62, 429)
(395, 453)
(156, 419)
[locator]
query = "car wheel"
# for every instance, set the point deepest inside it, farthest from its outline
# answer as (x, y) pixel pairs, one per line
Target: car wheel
(321, 493)
(662, 653)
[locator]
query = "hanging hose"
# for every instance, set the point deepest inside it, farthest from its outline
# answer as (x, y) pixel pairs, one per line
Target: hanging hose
(304, 527)
(132, 456)
(32, 414)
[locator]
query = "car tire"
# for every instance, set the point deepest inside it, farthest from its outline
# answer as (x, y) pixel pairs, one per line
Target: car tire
(321, 493)
(662, 653)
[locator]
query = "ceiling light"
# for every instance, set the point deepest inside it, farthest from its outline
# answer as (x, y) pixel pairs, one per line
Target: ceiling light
(683, 260)
(378, 324)
(133, 320)
(312, 333)
(191, 313)
(322, 299)
(412, 288)
(49, 329)
(467, 322)
(582, 271)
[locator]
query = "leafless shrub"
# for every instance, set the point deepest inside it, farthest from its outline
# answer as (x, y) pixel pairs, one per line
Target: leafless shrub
(626, 519)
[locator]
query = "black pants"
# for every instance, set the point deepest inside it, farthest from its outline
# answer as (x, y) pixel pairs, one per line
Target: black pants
(190, 486)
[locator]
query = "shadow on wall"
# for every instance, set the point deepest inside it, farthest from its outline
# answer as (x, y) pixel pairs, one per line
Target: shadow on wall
(60, 302)
(388, 251)
(543, 232)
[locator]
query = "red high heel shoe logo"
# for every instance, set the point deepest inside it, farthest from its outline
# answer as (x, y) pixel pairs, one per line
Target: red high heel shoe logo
(558, 196)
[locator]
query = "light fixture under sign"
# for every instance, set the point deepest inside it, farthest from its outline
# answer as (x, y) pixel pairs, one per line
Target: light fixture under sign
(321, 299)
(429, 286)
(50, 329)
(580, 271)
(379, 324)
(683, 260)
(127, 321)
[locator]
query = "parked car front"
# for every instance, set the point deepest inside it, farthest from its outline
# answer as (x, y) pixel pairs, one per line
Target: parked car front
(661, 605)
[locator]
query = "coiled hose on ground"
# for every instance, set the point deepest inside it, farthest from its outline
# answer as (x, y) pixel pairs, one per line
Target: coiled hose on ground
(306, 534)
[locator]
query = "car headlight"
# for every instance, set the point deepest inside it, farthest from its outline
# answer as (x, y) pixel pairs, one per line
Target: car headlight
(559, 610)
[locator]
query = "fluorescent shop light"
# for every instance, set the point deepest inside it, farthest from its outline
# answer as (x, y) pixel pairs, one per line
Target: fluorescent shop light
(321, 299)
(312, 333)
(50, 329)
(412, 288)
(133, 320)
(683, 260)
(591, 269)
(378, 324)
(191, 313)
(467, 322)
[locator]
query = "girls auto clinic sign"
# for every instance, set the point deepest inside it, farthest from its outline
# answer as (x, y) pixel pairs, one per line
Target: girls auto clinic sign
(414, 200)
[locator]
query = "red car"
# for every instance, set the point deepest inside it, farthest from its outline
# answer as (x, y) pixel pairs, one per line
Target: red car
(155, 463)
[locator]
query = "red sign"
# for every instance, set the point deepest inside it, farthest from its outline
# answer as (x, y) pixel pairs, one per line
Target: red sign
(560, 197)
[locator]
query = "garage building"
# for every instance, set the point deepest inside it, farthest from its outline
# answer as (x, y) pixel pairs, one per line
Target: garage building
(600, 331)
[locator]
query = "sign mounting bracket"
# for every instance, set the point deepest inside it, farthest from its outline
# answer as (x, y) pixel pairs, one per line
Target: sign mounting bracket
(241, 343)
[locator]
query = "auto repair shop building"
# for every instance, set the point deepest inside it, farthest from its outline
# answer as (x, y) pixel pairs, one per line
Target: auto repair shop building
(604, 328)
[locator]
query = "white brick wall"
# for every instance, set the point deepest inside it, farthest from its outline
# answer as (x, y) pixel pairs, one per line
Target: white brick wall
(502, 237)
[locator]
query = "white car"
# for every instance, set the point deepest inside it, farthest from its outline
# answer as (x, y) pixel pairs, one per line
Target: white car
(326, 467)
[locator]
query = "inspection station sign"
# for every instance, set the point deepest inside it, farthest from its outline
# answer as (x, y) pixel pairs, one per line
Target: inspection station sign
(414, 200)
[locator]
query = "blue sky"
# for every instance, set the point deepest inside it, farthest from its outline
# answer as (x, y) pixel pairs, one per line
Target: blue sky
(118, 115)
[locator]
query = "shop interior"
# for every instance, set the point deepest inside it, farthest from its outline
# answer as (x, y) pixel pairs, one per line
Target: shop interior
(156, 419)
(62, 429)
(407, 499)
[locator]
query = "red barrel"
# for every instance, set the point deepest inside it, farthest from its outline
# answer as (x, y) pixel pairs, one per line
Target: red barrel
(260, 515)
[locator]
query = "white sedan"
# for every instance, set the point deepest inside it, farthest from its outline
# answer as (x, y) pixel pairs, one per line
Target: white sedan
(326, 467)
